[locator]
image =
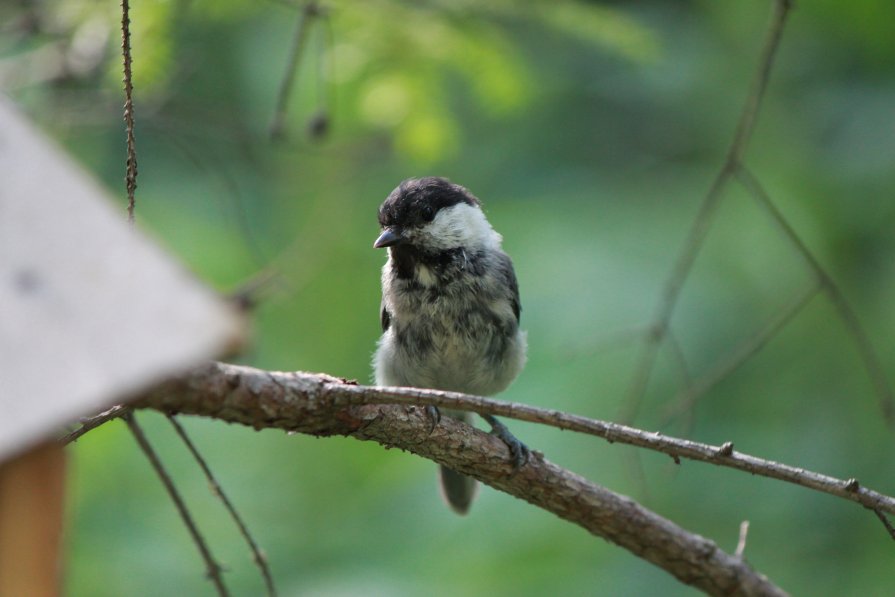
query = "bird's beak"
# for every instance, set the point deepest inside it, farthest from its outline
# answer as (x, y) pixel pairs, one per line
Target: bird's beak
(388, 238)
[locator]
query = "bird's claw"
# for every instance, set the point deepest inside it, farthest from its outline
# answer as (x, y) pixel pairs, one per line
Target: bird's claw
(434, 417)
(519, 452)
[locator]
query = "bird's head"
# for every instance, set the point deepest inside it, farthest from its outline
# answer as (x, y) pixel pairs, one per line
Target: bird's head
(432, 215)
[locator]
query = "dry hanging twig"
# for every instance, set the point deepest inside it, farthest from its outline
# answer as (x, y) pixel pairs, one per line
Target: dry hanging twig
(131, 166)
(211, 566)
(257, 555)
(886, 523)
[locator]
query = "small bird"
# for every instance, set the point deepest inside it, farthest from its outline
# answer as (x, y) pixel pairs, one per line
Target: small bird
(450, 307)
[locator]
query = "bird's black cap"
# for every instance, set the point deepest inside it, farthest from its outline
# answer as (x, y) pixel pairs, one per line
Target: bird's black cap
(416, 201)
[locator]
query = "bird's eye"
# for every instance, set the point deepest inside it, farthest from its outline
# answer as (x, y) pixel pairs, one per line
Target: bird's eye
(428, 213)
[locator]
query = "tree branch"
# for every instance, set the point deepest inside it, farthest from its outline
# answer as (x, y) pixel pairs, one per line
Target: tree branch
(322, 405)
(350, 394)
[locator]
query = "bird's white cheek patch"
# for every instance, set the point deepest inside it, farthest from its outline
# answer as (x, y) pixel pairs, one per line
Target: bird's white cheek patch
(462, 225)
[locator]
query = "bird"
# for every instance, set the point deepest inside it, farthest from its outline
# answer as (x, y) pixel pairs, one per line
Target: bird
(450, 308)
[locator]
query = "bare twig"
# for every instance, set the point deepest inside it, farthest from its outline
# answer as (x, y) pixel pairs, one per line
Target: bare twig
(848, 316)
(613, 432)
(215, 382)
(701, 223)
(680, 359)
(741, 543)
(308, 14)
(687, 398)
(322, 405)
(212, 567)
(131, 166)
(255, 289)
(257, 555)
(91, 423)
(886, 523)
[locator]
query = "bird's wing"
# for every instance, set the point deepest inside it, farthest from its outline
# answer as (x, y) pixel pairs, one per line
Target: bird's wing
(505, 267)
(385, 318)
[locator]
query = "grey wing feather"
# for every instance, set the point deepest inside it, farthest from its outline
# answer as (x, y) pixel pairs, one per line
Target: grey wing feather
(385, 318)
(505, 265)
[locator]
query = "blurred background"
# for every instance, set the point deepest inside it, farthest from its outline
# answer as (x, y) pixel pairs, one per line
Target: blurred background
(591, 131)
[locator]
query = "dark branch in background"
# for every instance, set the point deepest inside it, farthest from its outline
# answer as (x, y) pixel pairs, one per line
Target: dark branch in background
(257, 555)
(252, 291)
(277, 126)
(130, 177)
(321, 405)
(733, 166)
(701, 223)
(319, 122)
(212, 567)
(834, 293)
(687, 398)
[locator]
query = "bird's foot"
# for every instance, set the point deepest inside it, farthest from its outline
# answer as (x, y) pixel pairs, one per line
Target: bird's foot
(519, 452)
(434, 417)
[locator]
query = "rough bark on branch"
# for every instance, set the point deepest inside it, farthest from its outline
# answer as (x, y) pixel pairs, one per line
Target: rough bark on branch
(322, 405)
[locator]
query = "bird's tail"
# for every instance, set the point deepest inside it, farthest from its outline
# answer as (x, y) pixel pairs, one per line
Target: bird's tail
(457, 489)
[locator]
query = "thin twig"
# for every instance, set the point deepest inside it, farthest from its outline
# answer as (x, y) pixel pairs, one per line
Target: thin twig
(687, 377)
(319, 123)
(848, 316)
(741, 543)
(91, 423)
(131, 166)
(614, 432)
(257, 555)
(257, 288)
(277, 125)
(687, 398)
(746, 124)
(680, 359)
(702, 222)
(271, 399)
(886, 523)
(212, 567)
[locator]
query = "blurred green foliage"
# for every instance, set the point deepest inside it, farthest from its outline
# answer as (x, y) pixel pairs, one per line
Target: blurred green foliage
(590, 131)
